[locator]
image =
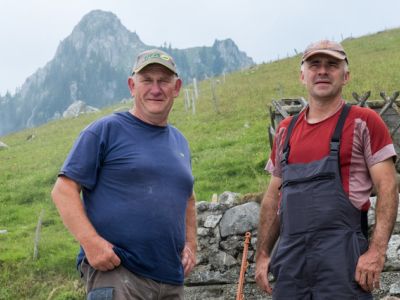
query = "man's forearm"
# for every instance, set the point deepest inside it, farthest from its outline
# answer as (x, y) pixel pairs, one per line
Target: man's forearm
(98, 251)
(191, 223)
(189, 251)
(385, 216)
(384, 177)
(268, 232)
(268, 229)
(66, 197)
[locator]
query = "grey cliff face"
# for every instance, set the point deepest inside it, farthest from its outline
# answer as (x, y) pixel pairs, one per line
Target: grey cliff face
(92, 64)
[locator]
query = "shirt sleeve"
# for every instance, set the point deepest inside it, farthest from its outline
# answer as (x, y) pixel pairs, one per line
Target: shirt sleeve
(378, 144)
(84, 160)
(274, 162)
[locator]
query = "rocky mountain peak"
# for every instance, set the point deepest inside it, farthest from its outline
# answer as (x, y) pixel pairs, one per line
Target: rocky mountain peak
(99, 23)
(231, 54)
(101, 34)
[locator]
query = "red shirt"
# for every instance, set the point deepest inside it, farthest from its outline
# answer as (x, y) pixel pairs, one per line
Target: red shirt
(365, 141)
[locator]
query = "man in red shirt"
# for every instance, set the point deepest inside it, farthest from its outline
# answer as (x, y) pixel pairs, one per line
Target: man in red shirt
(323, 166)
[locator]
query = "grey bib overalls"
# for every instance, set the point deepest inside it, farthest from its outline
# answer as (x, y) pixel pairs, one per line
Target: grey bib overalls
(320, 235)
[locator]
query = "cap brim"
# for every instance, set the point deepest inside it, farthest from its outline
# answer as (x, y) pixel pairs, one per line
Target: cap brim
(335, 54)
(152, 63)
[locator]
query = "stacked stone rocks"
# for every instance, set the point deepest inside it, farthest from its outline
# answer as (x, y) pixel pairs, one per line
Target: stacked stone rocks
(221, 234)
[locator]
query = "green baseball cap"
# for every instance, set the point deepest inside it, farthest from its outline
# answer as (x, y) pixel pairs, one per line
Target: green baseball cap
(154, 56)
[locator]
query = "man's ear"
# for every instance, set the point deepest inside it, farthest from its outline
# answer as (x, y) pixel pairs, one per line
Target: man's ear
(301, 78)
(346, 77)
(131, 85)
(178, 85)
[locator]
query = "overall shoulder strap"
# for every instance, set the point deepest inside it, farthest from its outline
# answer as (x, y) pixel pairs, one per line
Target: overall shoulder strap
(335, 147)
(335, 140)
(286, 146)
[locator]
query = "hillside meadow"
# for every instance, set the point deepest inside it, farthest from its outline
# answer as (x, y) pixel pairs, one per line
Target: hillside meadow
(229, 152)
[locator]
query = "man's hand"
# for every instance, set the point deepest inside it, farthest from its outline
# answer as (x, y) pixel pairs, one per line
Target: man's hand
(262, 268)
(369, 268)
(100, 254)
(188, 259)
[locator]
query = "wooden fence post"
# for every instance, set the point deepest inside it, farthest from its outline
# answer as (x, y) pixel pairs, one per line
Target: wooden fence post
(193, 102)
(37, 235)
(214, 96)
(196, 91)
(187, 100)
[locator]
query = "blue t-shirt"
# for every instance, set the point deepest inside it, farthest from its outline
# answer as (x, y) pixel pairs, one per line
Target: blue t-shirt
(136, 180)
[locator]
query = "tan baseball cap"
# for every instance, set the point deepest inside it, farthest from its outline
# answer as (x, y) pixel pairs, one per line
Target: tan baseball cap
(154, 56)
(325, 47)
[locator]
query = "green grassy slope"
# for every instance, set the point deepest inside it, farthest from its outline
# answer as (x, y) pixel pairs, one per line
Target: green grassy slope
(229, 152)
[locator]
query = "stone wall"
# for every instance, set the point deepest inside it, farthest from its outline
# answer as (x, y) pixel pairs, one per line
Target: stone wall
(221, 234)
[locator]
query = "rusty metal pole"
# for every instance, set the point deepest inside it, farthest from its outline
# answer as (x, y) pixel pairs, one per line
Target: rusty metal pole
(239, 294)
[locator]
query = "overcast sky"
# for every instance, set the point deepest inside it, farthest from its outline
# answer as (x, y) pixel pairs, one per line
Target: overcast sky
(31, 30)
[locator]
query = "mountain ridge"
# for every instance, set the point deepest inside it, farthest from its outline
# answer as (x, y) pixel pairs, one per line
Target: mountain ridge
(92, 64)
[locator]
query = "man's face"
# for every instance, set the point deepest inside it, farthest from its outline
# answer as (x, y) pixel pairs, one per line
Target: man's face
(154, 89)
(324, 76)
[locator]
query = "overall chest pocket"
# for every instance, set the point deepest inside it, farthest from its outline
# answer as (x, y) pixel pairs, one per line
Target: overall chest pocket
(301, 204)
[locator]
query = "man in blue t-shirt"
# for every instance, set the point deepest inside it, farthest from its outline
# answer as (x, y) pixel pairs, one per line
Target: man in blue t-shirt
(136, 221)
